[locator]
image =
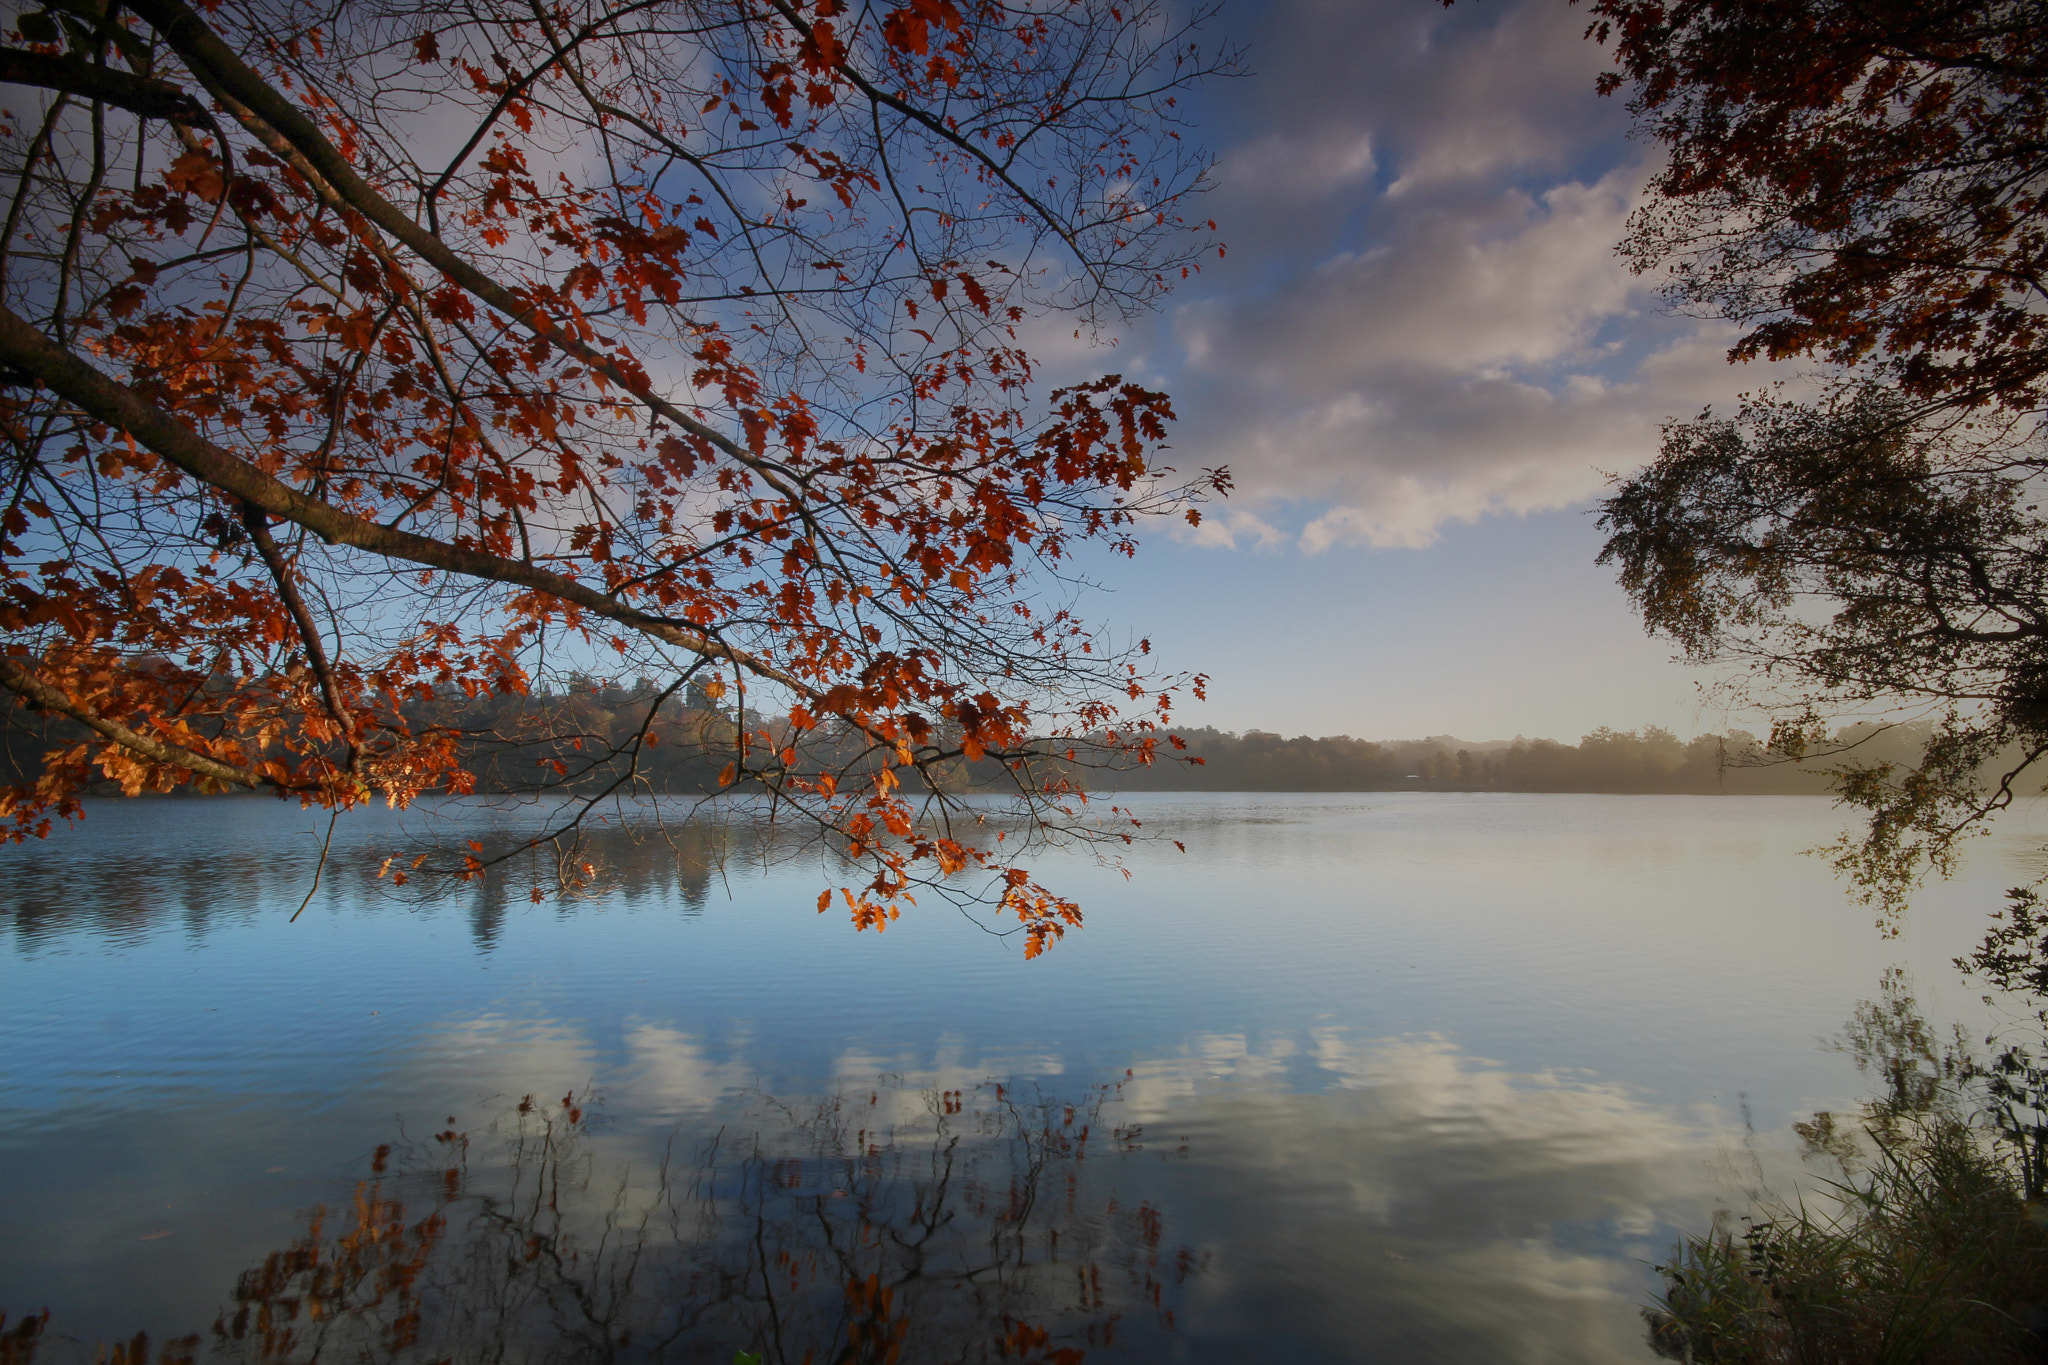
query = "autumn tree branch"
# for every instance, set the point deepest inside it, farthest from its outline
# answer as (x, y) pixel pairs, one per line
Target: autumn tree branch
(25, 348)
(25, 684)
(141, 95)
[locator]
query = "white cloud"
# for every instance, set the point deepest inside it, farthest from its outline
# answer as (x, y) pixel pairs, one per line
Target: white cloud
(1293, 166)
(1516, 281)
(671, 1072)
(1504, 98)
(1423, 321)
(1230, 528)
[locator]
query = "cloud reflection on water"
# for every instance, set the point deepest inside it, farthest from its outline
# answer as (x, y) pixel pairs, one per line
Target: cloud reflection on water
(186, 1068)
(1393, 1198)
(1429, 1204)
(1347, 1198)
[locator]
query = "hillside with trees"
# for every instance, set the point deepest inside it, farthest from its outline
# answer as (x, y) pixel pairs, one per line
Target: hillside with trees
(618, 736)
(1650, 760)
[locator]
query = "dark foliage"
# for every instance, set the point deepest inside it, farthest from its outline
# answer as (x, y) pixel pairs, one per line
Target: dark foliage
(1851, 179)
(1861, 183)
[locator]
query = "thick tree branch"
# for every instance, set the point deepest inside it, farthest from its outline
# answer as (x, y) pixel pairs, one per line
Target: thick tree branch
(23, 683)
(27, 349)
(141, 95)
(258, 525)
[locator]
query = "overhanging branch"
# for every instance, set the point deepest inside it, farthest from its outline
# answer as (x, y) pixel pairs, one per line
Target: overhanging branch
(26, 348)
(23, 683)
(141, 95)
(286, 129)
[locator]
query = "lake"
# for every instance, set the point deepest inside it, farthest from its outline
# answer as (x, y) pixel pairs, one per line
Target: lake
(1399, 1077)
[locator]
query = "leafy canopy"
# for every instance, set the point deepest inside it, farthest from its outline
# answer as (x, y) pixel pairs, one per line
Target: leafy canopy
(1861, 184)
(362, 357)
(1858, 180)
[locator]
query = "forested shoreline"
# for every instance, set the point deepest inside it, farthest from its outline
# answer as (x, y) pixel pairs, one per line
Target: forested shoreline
(1645, 761)
(600, 733)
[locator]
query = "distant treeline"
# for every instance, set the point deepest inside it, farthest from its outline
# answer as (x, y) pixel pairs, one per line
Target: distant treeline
(516, 743)
(586, 735)
(1620, 761)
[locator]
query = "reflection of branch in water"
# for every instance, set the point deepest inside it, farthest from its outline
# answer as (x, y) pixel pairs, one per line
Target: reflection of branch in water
(20, 1344)
(1928, 1247)
(979, 1230)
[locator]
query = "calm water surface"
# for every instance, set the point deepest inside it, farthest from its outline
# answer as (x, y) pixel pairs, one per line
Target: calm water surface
(1389, 1077)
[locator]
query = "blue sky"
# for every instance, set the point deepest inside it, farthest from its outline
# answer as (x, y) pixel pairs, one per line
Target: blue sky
(1419, 360)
